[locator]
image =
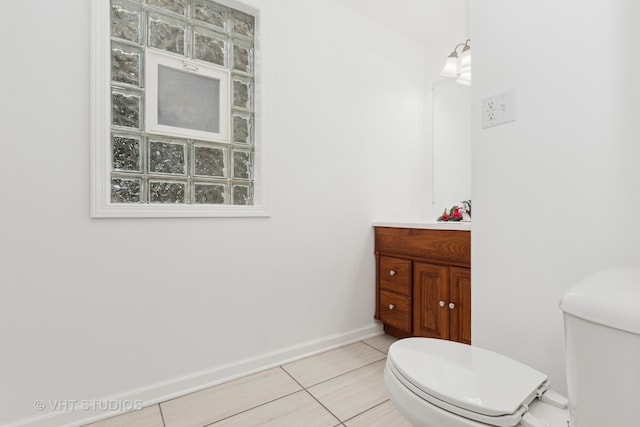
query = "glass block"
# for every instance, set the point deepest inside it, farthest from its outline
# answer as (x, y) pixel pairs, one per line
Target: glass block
(242, 128)
(210, 13)
(126, 190)
(167, 192)
(125, 109)
(126, 64)
(242, 92)
(209, 46)
(242, 23)
(177, 6)
(209, 161)
(242, 56)
(126, 21)
(242, 194)
(242, 164)
(166, 33)
(125, 153)
(167, 157)
(210, 193)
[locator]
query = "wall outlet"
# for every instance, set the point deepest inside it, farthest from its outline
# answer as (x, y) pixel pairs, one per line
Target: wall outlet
(499, 109)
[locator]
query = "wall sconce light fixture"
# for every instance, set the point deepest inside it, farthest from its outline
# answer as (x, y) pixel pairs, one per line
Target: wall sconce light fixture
(459, 68)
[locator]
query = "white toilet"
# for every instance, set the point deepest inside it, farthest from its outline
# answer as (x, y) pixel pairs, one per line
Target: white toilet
(438, 383)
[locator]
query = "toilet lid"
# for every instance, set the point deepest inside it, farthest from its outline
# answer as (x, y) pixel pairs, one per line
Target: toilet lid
(467, 377)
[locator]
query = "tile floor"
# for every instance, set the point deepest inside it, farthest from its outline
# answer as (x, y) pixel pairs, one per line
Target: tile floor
(340, 387)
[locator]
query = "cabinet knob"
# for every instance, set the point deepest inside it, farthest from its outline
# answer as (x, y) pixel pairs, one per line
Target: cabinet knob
(452, 305)
(441, 303)
(391, 306)
(392, 273)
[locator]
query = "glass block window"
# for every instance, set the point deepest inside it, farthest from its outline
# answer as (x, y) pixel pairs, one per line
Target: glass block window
(152, 167)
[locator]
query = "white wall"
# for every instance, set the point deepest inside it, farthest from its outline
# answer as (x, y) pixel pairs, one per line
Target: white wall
(94, 308)
(555, 192)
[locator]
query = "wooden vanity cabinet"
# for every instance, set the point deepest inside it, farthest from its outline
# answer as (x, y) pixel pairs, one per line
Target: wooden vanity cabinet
(423, 282)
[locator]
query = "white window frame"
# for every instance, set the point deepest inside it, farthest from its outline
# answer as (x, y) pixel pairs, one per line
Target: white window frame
(155, 59)
(100, 103)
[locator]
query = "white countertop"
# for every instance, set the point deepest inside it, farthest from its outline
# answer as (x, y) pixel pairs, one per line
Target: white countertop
(431, 225)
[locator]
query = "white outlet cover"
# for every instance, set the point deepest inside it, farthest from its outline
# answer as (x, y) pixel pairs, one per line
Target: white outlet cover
(488, 112)
(499, 109)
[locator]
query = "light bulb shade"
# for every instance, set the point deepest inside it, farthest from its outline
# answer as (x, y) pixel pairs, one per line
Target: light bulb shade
(464, 78)
(451, 67)
(465, 61)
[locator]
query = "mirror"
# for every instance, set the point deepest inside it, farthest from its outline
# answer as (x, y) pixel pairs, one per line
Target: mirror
(451, 144)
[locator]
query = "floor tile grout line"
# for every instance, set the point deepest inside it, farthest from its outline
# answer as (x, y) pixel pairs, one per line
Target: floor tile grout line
(366, 410)
(344, 373)
(341, 421)
(321, 404)
(217, 385)
(309, 393)
(347, 372)
(375, 348)
(164, 424)
(223, 383)
(254, 407)
(292, 377)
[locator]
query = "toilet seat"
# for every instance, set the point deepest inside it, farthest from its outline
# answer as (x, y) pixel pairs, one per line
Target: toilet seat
(471, 382)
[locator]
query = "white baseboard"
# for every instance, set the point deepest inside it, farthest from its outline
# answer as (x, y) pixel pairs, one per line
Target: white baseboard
(180, 386)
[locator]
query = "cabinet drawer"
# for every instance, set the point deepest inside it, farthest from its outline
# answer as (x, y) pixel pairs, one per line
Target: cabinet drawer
(395, 310)
(395, 275)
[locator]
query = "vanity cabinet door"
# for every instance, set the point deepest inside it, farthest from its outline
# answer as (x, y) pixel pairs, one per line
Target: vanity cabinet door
(431, 300)
(442, 302)
(460, 314)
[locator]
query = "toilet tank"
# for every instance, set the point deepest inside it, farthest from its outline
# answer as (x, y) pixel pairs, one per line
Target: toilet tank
(602, 338)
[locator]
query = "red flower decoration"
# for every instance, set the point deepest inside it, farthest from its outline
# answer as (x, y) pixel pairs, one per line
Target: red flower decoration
(455, 213)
